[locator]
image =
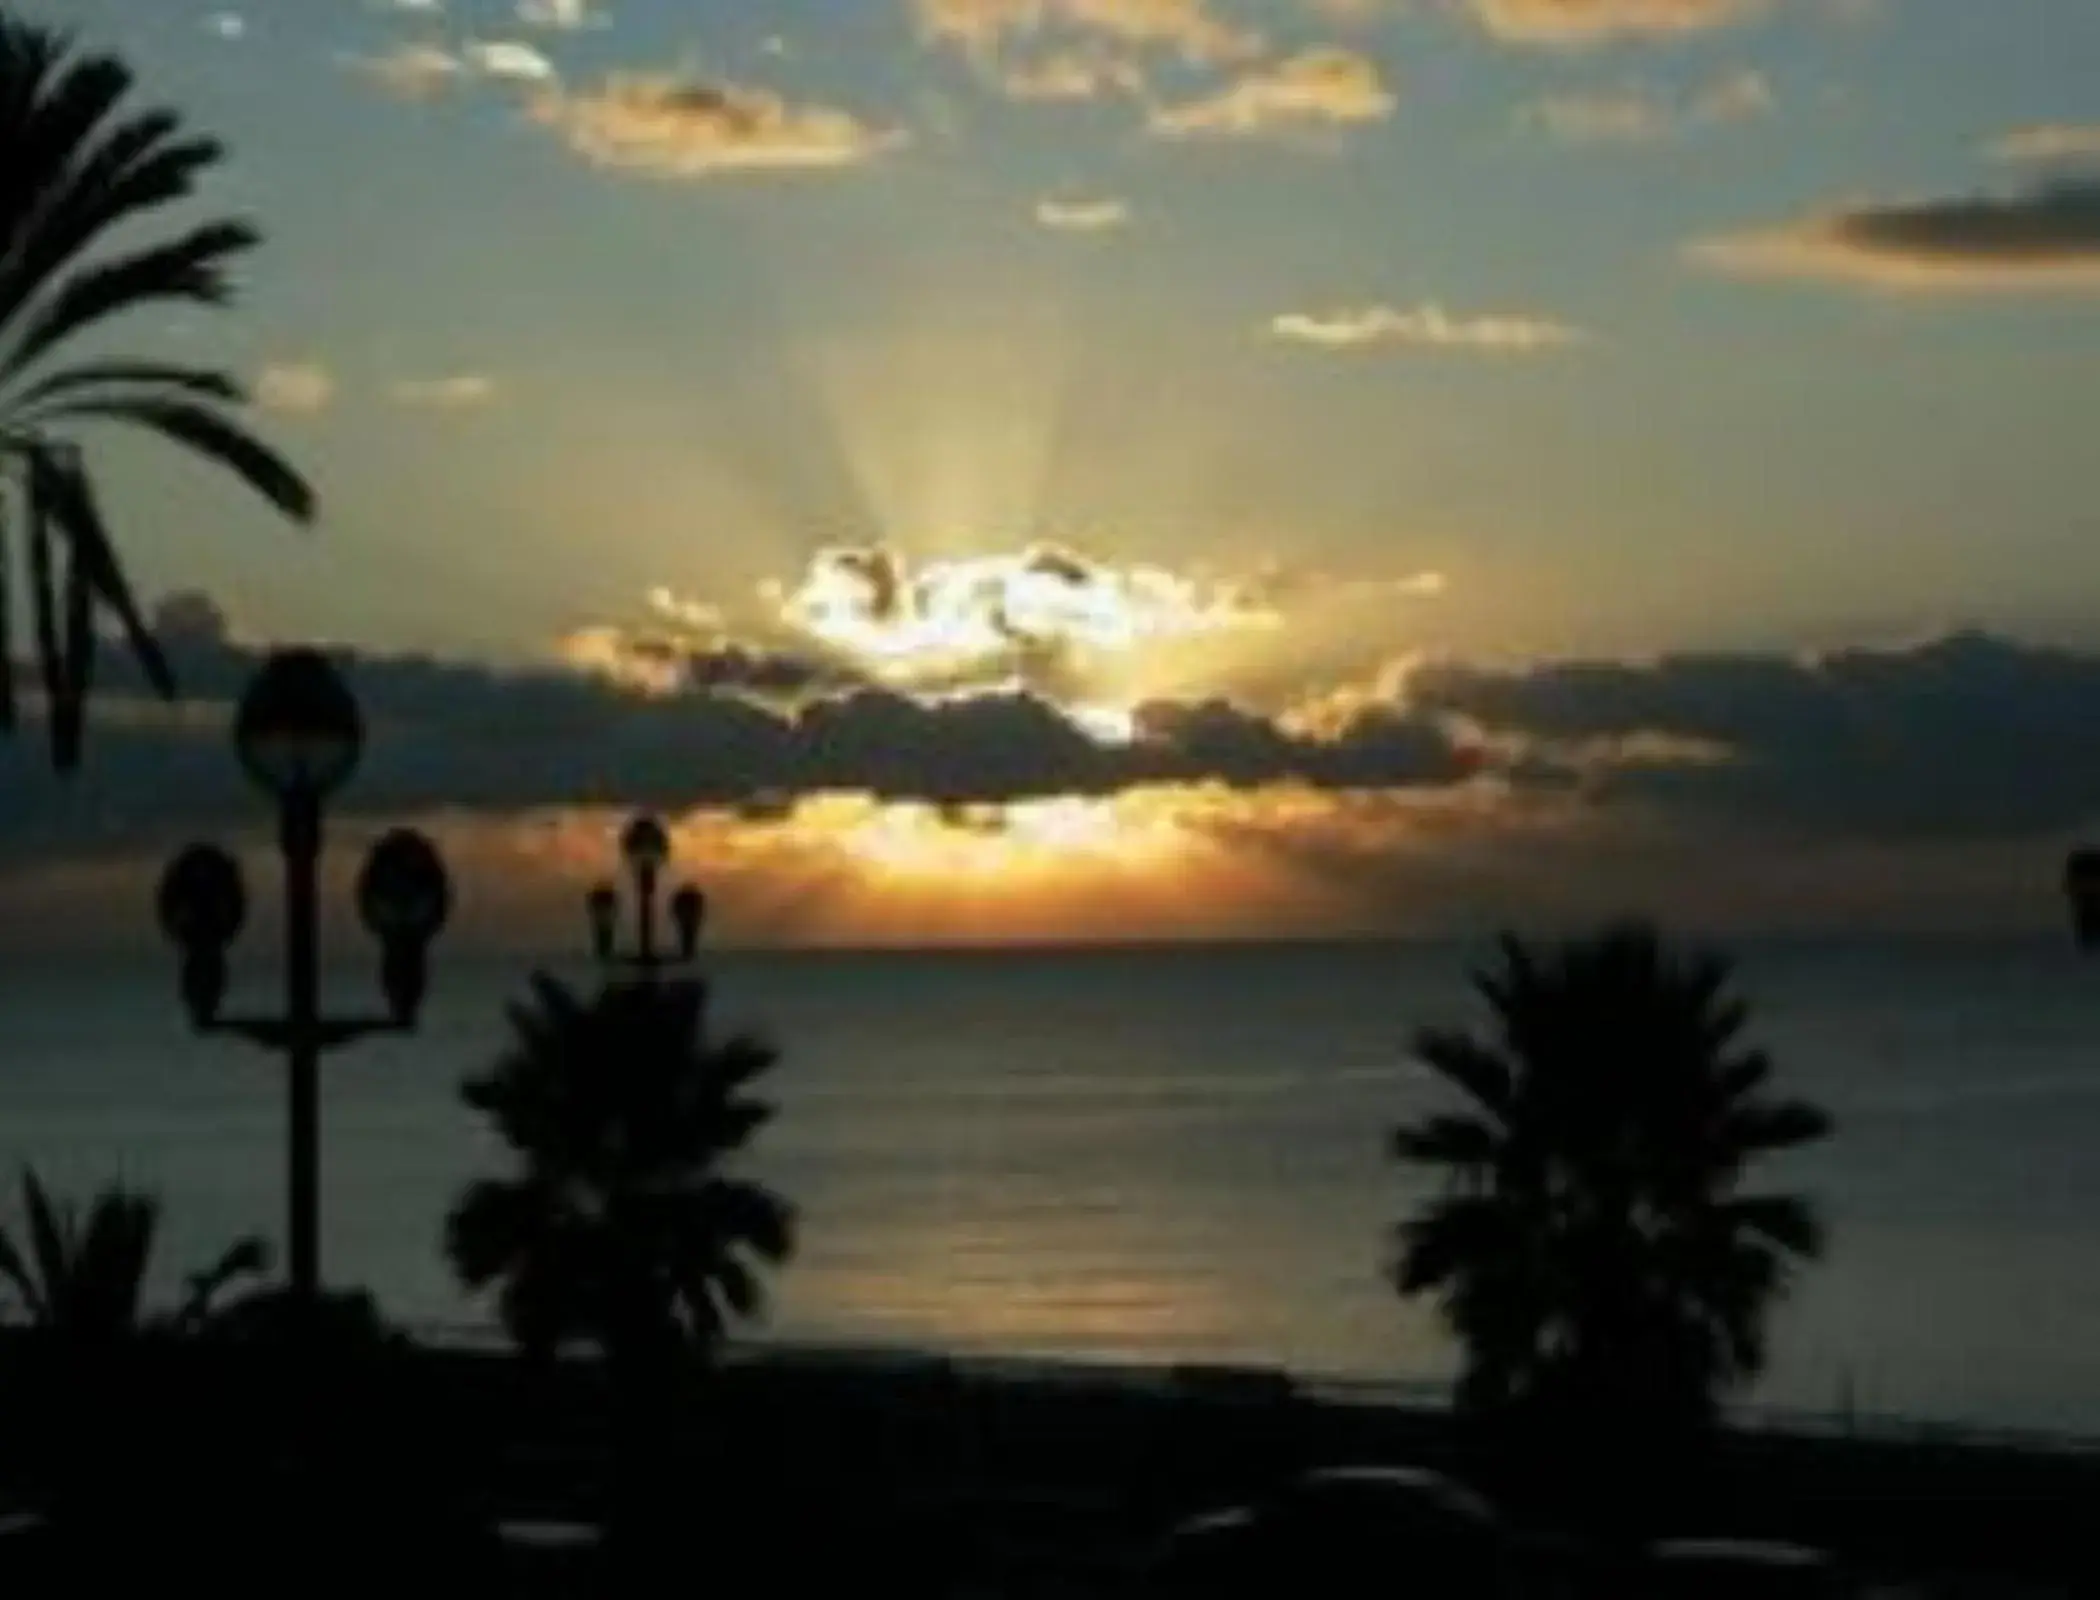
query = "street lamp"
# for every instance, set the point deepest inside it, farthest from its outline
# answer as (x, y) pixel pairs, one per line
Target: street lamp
(298, 734)
(645, 847)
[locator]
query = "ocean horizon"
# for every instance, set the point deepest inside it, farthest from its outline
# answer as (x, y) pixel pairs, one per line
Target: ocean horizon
(1162, 1154)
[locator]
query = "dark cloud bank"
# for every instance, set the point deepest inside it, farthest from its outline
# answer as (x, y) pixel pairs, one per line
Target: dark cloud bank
(1968, 737)
(451, 735)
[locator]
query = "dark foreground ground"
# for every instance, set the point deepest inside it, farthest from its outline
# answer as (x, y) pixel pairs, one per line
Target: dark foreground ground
(178, 1463)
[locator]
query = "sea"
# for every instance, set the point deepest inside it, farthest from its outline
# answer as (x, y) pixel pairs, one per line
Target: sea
(1152, 1156)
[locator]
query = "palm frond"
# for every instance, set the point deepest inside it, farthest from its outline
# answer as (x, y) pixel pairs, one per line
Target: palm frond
(77, 664)
(1766, 1127)
(52, 104)
(739, 1059)
(29, 55)
(1446, 1140)
(50, 1242)
(108, 1269)
(493, 1224)
(754, 1217)
(22, 1278)
(1784, 1220)
(246, 1258)
(132, 169)
(1454, 1238)
(213, 437)
(92, 378)
(191, 269)
(741, 1289)
(43, 601)
(1476, 1069)
(74, 505)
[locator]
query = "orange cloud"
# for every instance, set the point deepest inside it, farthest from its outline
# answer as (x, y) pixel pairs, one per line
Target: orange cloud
(1071, 75)
(1325, 86)
(1193, 28)
(1590, 22)
(670, 127)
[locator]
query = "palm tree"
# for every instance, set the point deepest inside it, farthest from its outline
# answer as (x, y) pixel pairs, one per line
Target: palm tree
(1593, 1246)
(621, 1228)
(84, 1281)
(84, 168)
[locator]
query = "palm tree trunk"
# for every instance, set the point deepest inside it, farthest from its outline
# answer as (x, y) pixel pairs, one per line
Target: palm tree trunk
(642, 1373)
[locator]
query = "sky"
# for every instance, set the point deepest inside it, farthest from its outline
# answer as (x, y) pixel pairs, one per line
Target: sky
(1041, 469)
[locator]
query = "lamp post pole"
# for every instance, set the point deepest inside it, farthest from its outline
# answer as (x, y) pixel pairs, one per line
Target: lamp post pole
(300, 836)
(299, 734)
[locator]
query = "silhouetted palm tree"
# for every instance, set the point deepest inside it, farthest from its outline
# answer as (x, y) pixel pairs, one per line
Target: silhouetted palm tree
(84, 1281)
(622, 1229)
(83, 169)
(1594, 1249)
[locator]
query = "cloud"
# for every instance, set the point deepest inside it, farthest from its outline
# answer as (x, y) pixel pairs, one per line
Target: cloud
(459, 391)
(1427, 327)
(671, 127)
(2042, 239)
(294, 388)
(1617, 116)
(1928, 784)
(1071, 75)
(511, 59)
(1324, 86)
(1079, 214)
(1741, 96)
(1082, 50)
(1575, 23)
(1093, 636)
(1354, 13)
(1968, 735)
(2050, 141)
(454, 736)
(1637, 114)
(1194, 29)
(227, 25)
(1049, 617)
(561, 16)
(667, 663)
(412, 70)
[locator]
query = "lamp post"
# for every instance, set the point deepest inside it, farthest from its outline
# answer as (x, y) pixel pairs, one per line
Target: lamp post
(299, 734)
(645, 846)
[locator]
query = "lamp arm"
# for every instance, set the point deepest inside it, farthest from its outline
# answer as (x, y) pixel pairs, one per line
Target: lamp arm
(277, 1034)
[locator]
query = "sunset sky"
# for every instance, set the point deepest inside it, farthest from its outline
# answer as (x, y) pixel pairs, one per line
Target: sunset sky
(1019, 469)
